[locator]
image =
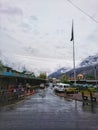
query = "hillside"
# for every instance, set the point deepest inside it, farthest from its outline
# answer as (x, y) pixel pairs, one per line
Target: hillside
(86, 67)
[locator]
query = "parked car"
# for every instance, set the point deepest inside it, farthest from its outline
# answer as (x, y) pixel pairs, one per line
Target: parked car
(42, 85)
(71, 90)
(59, 88)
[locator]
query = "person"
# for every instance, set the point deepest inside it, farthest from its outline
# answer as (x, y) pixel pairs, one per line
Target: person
(15, 94)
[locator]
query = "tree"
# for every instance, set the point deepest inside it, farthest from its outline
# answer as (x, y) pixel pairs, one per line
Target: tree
(90, 77)
(1, 65)
(64, 79)
(42, 75)
(24, 70)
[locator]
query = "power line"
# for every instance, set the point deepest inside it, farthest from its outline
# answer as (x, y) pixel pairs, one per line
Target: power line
(82, 11)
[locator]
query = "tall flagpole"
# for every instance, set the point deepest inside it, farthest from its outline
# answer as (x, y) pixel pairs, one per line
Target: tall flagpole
(72, 39)
(95, 75)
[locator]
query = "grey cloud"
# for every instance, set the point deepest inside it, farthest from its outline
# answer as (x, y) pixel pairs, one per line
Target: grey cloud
(3, 28)
(30, 24)
(31, 50)
(92, 38)
(60, 47)
(33, 17)
(25, 27)
(10, 10)
(60, 31)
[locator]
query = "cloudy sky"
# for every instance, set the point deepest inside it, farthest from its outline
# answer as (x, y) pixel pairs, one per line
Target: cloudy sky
(36, 33)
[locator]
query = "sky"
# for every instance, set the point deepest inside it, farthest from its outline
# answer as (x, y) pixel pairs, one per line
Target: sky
(36, 33)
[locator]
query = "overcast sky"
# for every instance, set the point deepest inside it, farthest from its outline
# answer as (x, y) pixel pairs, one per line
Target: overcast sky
(37, 33)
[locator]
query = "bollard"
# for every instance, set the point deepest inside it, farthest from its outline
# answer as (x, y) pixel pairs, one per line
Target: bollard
(25, 93)
(33, 92)
(28, 93)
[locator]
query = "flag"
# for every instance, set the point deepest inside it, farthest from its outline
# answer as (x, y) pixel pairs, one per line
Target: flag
(72, 33)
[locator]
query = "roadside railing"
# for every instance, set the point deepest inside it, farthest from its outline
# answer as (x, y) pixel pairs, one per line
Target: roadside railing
(88, 97)
(7, 97)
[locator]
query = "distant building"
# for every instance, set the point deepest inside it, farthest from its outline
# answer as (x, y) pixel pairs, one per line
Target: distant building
(80, 76)
(54, 80)
(7, 69)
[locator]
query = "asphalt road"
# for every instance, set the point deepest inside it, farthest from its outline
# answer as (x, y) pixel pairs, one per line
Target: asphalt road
(46, 111)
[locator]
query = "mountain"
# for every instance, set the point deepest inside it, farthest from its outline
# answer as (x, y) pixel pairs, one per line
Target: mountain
(91, 60)
(86, 71)
(86, 67)
(58, 73)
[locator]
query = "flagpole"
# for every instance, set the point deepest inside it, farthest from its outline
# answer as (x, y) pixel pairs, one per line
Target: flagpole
(72, 39)
(95, 75)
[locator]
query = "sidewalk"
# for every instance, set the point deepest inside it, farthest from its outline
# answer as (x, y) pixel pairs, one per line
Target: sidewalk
(77, 97)
(6, 99)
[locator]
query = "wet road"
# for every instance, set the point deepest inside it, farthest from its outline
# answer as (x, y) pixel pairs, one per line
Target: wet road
(46, 111)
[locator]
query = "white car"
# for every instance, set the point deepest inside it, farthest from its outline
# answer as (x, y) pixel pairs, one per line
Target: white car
(42, 85)
(59, 88)
(95, 86)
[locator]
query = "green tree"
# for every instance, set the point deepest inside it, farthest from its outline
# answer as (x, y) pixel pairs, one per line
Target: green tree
(1, 65)
(64, 79)
(24, 70)
(42, 76)
(90, 77)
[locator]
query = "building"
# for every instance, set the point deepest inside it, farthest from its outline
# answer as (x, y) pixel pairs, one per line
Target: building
(80, 76)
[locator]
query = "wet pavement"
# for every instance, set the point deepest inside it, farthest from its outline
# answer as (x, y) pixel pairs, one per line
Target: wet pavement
(46, 111)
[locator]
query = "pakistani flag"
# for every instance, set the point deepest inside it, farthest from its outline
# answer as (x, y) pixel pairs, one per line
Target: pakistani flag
(72, 33)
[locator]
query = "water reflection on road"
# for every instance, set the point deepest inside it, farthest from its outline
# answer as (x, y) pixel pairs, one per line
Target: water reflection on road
(45, 110)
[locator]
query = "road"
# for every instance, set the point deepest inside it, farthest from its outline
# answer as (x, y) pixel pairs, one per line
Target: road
(46, 111)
